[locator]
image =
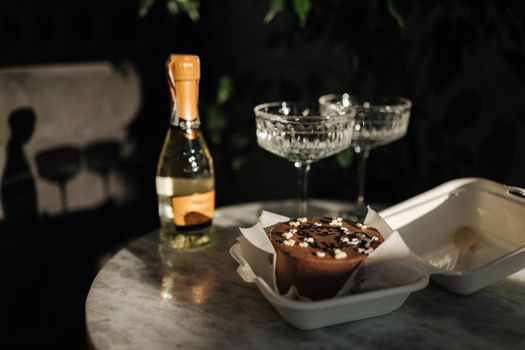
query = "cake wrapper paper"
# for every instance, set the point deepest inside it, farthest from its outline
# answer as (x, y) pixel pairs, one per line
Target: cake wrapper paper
(392, 264)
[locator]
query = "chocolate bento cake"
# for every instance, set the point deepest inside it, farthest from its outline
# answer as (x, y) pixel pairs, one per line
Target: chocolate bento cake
(318, 254)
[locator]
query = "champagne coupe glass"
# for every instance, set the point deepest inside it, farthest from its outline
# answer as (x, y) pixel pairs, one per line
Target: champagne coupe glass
(298, 132)
(379, 121)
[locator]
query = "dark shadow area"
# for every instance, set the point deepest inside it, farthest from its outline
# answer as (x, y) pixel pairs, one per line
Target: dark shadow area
(47, 267)
(59, 166)
(18, 189)
(48, 261)
(102, 158)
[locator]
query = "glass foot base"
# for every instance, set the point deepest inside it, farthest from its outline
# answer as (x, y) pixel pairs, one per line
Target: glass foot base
(169, 236)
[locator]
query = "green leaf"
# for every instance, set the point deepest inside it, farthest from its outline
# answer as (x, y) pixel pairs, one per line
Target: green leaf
(216, 123)
(145, 6)
(276, 6)
(216, 120)
(190, 7)
(173, 7)
(355, 61)
(394, 12)
(344, 158)
(225, 89)
(239, 141)
(237, 163)
(302, 9)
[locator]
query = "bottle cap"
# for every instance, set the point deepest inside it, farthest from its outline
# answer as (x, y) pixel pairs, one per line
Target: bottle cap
(184, 67)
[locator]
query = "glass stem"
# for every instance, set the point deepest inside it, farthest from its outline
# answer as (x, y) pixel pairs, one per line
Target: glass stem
(361, 176)
(303, 169)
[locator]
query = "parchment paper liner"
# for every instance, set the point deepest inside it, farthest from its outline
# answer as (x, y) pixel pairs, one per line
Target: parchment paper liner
(392, 264)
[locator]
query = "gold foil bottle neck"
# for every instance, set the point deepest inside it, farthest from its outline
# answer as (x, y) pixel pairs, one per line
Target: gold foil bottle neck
(184, 75)
(184, 67)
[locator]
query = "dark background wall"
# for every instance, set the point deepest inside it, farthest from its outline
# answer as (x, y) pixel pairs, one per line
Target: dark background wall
(461, 63)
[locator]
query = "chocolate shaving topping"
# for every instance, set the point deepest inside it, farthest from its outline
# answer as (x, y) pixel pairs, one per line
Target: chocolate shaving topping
(345, 236)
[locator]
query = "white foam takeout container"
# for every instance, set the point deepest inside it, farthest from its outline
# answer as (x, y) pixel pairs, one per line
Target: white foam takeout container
(427, 223)
(316, 314)
(496, 213)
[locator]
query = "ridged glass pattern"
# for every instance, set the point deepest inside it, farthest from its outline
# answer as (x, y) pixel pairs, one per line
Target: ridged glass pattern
(300, 134)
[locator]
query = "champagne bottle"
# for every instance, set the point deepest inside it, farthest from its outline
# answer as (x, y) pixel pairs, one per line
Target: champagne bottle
(185, 179)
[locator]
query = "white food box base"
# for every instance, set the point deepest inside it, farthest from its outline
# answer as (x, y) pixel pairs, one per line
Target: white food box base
(427, 223)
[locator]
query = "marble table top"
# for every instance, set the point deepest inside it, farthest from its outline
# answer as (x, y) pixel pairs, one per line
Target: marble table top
(151, 297)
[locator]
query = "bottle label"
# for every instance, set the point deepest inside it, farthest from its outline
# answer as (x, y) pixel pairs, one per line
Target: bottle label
(194, 209)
